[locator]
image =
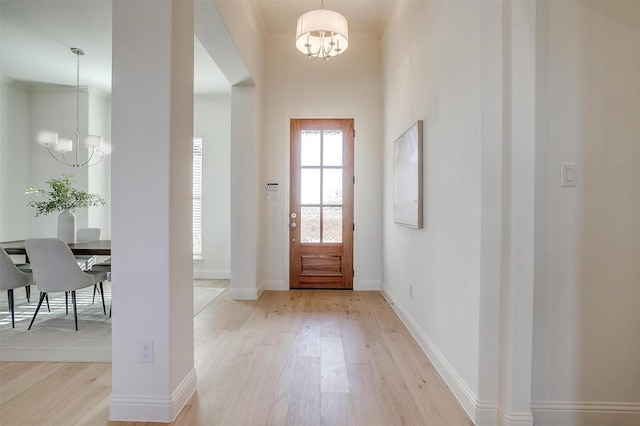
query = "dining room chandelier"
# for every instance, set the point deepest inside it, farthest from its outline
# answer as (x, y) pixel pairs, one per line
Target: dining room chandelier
(59, 147)
(322, 33)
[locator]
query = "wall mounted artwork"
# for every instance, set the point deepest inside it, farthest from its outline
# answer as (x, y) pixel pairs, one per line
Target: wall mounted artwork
(407, 177)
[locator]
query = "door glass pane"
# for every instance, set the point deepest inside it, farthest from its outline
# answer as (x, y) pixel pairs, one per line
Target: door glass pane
(332, 186)
(332, 148)
(332, 225)
(310, 148)
(310, 186)
(310, 224)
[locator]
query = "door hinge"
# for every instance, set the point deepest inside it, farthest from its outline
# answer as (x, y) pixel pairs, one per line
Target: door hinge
(353, 275)
(354, 133)
(354, 226)
(354, 180)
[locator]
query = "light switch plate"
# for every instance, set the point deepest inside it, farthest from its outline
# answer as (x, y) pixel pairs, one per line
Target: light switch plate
(569, 174)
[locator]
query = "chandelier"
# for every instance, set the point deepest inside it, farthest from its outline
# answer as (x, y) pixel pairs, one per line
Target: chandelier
(59, 147)
(322, 33)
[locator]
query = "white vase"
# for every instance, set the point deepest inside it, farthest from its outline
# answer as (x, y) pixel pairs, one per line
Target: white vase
(67, 226)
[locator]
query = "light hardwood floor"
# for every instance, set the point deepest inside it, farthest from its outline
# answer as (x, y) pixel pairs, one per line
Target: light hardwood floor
(302, 357)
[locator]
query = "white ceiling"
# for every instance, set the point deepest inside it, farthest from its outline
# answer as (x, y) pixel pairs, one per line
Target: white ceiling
(36, 37)
(279, 17)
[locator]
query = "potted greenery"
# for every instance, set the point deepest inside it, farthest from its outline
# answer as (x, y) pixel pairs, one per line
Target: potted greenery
(63, 198)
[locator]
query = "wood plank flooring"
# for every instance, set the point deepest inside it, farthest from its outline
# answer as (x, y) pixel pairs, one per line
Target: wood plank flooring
(305, 357)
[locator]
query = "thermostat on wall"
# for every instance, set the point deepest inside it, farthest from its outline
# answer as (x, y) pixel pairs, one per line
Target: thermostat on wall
(273, 191)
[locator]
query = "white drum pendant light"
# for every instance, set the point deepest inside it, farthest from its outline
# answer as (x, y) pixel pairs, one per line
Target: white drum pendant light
(322, 33)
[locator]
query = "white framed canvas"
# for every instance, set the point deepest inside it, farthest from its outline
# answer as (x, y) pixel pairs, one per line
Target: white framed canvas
(407, 177)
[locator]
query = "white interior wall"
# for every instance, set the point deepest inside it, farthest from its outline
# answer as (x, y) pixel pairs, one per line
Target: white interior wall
(54, 108)
(212, 121)
(229, 31)
(582, 88)
(99, 176)
(14, 161)
(587, 300)
(432, 71)
(26, 111)
(347, 86)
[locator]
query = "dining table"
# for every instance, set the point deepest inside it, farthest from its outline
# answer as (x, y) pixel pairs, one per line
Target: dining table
(86, 248)
(91, 248)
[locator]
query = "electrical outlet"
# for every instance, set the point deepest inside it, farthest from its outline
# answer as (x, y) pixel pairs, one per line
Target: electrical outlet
(145, 351)
(411, 291)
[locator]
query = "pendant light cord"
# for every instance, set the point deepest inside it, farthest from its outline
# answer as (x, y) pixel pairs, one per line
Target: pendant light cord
(77, 107)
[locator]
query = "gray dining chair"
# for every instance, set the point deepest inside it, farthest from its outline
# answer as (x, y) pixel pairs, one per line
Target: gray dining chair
(106, 267)
(87, 234)
(87, 262)
(56, 270)
(11, 277)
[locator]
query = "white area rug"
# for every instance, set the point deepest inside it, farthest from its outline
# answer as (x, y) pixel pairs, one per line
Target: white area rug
(53, 336)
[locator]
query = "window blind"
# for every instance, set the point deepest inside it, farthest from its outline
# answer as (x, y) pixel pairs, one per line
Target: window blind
(197, 197)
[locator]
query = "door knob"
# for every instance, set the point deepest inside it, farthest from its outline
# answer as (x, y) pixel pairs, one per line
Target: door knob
(293, 215)
(293, 225)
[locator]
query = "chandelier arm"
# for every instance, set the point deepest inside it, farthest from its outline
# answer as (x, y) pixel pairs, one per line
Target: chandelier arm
(67, 162)
(311, 54)
(99, 160)
(56, 158)
(326, 53)
(86, 163)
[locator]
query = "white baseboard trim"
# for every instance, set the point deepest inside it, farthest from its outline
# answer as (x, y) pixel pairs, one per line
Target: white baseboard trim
(508, 418)
(457, 385)
(548, 413)
(221, 274)
(596, 406)
(153, 409)
(486, 413)
(279, 285)
(244, 293)
(276, 285)
(366, 285)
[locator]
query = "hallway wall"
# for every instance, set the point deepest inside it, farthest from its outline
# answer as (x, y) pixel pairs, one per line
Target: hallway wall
(432, 72)
(346, 86)
(587, 300)
(584, 83)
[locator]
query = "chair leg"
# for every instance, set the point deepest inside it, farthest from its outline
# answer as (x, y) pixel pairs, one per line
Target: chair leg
(28, 290)
(11, 307)
(95, 288)
(48, 307)
(104, 307)
(66, 302)
(75, 310)
(42, 296)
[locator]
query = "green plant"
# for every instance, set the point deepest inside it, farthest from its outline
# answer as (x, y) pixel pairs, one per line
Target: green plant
(62, 196)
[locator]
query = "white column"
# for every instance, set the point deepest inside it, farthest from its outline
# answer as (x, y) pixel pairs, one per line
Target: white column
(244, 240)
(492, 201)
(517, 285)
(152, 131)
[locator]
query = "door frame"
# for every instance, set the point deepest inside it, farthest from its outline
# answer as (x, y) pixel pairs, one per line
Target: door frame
(287, 188)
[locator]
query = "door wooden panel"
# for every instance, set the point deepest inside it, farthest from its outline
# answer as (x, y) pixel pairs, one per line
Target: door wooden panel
(321, 204)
